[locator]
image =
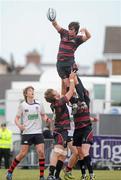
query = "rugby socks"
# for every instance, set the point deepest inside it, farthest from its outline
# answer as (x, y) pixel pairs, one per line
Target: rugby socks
(52, 170)
(88, 163)
(82, 167)
(41, 167)
(58, 168)
(13, 165)
(68, 169)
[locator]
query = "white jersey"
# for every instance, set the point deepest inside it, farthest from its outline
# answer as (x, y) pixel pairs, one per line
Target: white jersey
(31, 117)
(71, 131)
(72, 125)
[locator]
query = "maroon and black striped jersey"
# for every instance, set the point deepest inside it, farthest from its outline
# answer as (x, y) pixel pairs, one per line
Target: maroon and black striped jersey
(82, 118)
(67, 47)
(62, 118)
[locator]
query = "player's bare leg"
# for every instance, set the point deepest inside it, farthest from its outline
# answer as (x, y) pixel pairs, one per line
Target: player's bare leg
(84, 151)
(72, 161)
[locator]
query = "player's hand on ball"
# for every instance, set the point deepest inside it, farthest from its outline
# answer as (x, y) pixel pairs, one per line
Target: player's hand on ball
(51, 14)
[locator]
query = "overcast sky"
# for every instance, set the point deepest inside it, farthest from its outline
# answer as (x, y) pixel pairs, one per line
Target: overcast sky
(24, 27)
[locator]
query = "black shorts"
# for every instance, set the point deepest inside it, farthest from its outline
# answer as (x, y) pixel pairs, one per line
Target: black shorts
(29, 139)
(63, 71)
(60, 137)
(83, 136)
(69, 138)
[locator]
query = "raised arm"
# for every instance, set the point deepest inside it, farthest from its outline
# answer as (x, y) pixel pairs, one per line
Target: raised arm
(56, 25)
(51, 15)
(86, 33)
(69, 94)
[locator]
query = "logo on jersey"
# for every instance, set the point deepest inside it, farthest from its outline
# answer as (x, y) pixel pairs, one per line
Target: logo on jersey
(33, 116)
(73, 41)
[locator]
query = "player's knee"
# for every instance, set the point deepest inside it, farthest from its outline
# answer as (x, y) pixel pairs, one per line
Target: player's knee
(22, 154)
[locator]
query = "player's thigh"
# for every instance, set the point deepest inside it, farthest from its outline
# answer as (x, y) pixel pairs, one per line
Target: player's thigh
(85, 149)
(72, 148)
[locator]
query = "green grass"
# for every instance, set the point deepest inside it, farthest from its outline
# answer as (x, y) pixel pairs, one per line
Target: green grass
(33, 174)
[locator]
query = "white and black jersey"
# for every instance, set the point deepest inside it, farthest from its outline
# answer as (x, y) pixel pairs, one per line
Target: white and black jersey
(31, 116)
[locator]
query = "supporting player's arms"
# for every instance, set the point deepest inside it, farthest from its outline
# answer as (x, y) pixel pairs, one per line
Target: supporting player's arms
(69, 94)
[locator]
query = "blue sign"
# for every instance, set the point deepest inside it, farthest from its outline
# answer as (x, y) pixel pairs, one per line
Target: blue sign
(106, 148)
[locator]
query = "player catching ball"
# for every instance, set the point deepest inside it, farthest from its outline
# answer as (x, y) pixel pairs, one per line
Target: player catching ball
(69, 42)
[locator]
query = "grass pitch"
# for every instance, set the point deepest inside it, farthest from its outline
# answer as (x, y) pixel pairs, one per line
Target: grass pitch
(33, 174)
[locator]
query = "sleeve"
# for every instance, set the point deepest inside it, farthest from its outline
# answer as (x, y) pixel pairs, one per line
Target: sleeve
(62, 32)
(79, 40)
(62, 101)
(20, 110)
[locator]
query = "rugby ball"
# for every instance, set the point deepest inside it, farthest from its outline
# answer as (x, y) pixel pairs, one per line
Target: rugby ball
(51, 14)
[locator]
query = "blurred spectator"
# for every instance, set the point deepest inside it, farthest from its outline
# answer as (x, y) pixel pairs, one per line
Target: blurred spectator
(5, 144)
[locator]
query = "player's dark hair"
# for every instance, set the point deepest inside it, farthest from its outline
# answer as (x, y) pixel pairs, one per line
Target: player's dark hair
(74, 25)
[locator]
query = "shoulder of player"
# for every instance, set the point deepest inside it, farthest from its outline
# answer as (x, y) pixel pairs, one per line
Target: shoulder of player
(37, 102)
(64, 99)
(25, 103)
(79, 36)
(62, 30)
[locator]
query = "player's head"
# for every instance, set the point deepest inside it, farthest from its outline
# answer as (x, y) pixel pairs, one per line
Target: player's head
(74, 27)
(51, 95)
(28, 92)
